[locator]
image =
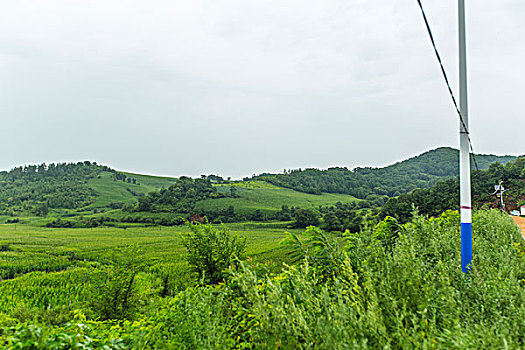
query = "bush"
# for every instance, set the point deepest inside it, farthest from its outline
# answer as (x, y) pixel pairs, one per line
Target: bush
(395, 287)
(212, 250)
(304, 218)
(115, 295)
(5, 247)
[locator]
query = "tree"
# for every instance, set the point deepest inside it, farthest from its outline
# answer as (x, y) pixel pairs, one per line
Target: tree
(305, 217)
(115, 295)
(42, 209)
(331, 222)
(212, 250)
(258, 215)
(144, 203)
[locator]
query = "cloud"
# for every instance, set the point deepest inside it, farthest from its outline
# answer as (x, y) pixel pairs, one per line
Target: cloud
(188, 87)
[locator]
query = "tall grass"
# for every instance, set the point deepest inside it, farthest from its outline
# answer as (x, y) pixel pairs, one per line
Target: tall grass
(389, 287)
(409, 294)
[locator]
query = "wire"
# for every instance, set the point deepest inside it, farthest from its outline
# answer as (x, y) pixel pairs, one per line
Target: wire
(448, 83)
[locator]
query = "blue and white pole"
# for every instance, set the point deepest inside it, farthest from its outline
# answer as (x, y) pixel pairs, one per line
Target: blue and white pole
(464, 157)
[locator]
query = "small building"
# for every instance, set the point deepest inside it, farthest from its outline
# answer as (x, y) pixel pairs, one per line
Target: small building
(522, 210)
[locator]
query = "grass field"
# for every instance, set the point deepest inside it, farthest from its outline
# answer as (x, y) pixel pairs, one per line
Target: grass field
(110, 191)
(390, 286)
(32, 257)
(252, 195)
(266, 197)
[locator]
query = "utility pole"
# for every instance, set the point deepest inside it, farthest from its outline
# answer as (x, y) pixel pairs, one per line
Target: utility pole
(464, 156)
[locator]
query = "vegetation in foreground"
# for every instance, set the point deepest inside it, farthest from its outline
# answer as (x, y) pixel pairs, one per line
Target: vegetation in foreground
(390, 286)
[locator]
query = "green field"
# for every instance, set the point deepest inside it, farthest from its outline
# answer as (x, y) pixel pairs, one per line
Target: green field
(266, 197)
(62, 256)
(159, 244)
(251, 195)
(390, 287)
(111, 191)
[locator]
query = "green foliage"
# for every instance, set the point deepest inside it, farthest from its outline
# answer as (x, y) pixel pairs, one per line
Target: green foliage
(179, 197)
(260, 201)
(304, 218)
(212, 250)
(408, 295)
(318, 249)
(110, 191)
(388, 231)
(390, 286)
(377, 184)
(42, 209)
(341, 217)
(115, 295)
(39, 187)
(445, 194)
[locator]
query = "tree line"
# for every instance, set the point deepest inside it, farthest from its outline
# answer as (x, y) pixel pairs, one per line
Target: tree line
(445, 194)
(37, 188)
(378, 184)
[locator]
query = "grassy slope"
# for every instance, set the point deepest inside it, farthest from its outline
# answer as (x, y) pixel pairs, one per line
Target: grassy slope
(110, 191)
(253, 195)
(267, 197)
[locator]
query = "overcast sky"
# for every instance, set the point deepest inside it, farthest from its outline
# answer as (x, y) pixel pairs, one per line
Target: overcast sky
(237, 87)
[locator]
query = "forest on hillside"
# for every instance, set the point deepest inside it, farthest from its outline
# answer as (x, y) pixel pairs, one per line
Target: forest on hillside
(67, 192)
(444, 195)
(36, 188)
(179, 197)
(378, 184)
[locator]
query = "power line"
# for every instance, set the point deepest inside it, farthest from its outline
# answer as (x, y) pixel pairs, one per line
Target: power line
(448, 83)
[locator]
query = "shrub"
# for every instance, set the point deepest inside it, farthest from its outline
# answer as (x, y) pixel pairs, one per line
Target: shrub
(115, 295)
(5, 247)
(212, 250)
(304, 218)
(396, 287)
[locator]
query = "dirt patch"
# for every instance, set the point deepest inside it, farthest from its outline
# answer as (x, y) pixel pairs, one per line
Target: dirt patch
(521, 224)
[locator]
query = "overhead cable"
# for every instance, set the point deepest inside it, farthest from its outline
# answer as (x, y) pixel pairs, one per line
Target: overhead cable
(448, 83)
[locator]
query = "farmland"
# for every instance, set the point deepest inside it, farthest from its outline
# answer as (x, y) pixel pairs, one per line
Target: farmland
(254, 195)
(117, 267)
(110, 191)
(27, 249)
(47, 273)
(394, 286)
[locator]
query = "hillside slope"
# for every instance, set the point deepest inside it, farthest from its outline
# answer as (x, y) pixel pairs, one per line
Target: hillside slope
(69, 189)
(444, 195)
(108, 190)
(422, 171)
(268, 198)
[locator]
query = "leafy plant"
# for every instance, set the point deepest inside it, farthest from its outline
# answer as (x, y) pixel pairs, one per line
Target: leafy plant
(317, 248)
(211, 250)
(115, 295)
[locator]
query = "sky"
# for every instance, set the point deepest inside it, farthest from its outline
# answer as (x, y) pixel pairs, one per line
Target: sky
(240, 87)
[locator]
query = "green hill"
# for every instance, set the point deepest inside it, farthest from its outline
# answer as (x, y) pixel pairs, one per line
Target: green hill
(445, 194)
(376, 184)
(260, 195)
(108, 190)
(86, 188)
(70, 187)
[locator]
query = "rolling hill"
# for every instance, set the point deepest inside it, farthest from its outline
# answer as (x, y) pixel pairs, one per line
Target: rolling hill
(86, 188)
(376, 184)
(268, 198)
